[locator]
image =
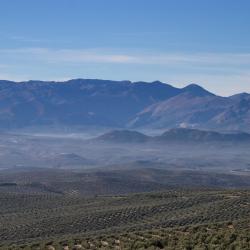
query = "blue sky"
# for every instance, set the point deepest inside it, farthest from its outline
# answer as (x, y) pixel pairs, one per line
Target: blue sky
(174, 41)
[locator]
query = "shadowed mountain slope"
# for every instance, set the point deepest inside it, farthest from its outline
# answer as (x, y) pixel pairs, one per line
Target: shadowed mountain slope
(104, 103)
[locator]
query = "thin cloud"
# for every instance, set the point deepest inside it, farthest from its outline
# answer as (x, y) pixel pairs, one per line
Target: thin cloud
(101, 56)
(67, 55)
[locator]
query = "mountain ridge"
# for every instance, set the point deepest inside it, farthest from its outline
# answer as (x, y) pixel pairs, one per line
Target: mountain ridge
(172, 135)
(119, 104)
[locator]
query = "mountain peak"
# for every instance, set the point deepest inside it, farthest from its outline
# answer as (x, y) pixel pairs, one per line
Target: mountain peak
(196, 90)
(242, 95)
(123, 136)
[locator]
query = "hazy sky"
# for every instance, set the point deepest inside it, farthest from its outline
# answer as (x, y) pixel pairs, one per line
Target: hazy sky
(174, 41)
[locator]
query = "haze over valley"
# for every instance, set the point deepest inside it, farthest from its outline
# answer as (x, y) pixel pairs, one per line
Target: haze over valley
(98, 125)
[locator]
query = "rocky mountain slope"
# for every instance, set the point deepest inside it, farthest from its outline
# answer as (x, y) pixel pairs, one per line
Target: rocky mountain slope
(102, 103)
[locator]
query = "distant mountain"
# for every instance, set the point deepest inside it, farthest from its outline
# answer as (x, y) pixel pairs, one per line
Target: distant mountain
(69, 159)
(121, 136)
(195, 135)
(84, 103)
(237, 115)
(77, 102)
(173, 135)
(197, 109)
(196, 90)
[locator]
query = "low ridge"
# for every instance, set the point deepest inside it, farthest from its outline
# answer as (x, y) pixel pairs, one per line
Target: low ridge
(173, 135)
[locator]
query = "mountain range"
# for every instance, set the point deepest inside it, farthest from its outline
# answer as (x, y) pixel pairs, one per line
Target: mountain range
(119, 104)
(182, 135)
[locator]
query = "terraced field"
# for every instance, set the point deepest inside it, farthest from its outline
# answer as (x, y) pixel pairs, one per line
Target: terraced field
(44, 221)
